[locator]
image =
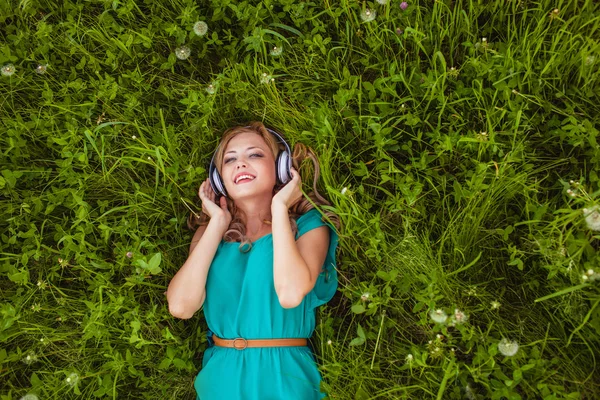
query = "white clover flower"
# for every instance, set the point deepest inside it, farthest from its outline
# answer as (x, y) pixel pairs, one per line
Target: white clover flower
(211, 88)
(134, 137)
(409, 359)
(182, 52)
(129, 254)
(495, 305)
(29, 396)
(276, 51)
(508, 348)
(266, 78)
(200, 28)
(72, 379)
(368, 15)
(8, 70)
(592, 218)
(459, 317)
(365, 296)
(383, 2)
(438, 316)
(329, 342)
(41, 69)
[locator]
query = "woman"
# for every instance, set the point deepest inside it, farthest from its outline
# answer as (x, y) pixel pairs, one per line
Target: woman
(260, 267)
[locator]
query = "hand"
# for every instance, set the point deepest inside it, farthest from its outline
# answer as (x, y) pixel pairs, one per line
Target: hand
(290, 193)
(210, 208)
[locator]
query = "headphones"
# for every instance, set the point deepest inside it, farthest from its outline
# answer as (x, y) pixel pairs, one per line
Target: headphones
(283, 167)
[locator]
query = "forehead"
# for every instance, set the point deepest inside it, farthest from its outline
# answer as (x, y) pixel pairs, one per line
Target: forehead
(244, 140)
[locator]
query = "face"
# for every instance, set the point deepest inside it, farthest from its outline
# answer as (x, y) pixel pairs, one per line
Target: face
(248, 153)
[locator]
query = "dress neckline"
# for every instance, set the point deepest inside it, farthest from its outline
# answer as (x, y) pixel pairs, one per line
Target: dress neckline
(257, 240)
(268, 234)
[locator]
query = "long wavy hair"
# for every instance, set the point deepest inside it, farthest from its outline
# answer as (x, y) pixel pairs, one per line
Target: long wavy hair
(236, 231)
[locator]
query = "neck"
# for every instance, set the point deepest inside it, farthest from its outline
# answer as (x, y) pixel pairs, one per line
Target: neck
(256, 210)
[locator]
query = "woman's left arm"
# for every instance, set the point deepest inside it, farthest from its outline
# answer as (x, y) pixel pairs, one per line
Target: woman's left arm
(296, 264)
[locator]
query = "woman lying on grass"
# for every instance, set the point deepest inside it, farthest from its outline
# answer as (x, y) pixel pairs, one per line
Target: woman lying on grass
(260, 263)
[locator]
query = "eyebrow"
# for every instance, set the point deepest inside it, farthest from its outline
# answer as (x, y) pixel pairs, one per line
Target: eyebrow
(249, 148)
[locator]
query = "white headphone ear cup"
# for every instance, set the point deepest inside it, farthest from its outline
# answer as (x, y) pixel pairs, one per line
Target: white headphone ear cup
(283, 167)
(216, 179)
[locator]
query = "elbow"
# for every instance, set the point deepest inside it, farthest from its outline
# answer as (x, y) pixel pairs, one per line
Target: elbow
(290, 300)
(180, 311)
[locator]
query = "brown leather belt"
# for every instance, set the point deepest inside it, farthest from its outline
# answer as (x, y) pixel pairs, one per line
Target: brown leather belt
(241, 343)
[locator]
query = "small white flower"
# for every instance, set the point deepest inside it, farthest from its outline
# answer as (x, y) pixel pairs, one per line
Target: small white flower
(584, 277)
(508, 348)
(210, 89)
(200, 28)
(30, 358)
(589, 60)
(438, 336)
(182, 52)
(276, 51)
(329, 342)
(495, 305)
(409, 359)
(344, 190)
(590, 272)
(438, 316)
(383, 2)
(29, 396)
(266, 78)
(592, 218)
(368, 15)
(72, 379)
(41, 69)
(149, 158)
(129, 254)
(469, 393)
(484, 40)
(134, 137)
(459, 317)
(8, 70)
(365, 296)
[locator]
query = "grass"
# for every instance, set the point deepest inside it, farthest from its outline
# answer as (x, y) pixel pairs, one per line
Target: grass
(459, 167)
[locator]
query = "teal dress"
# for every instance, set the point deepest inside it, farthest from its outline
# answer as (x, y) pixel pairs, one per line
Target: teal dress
(241, 302)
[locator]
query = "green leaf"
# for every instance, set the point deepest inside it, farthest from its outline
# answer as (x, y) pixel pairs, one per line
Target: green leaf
(153, 264)
(358, 309)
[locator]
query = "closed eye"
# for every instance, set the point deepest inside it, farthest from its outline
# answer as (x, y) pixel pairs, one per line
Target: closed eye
(253, 154)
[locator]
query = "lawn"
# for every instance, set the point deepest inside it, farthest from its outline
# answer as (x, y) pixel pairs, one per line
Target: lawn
(458, 143)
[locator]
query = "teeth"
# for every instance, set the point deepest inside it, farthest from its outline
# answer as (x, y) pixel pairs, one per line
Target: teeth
(242, 177)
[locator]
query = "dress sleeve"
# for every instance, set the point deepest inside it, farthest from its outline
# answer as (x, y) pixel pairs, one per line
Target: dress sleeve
(327, 281)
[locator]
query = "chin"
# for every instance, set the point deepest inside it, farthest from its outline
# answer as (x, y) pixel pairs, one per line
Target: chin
(237, 194)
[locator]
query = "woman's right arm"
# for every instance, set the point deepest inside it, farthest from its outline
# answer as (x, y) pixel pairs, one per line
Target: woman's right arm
(187, 289)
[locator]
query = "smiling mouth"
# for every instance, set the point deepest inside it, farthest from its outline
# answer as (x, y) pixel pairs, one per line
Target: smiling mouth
(244, 180)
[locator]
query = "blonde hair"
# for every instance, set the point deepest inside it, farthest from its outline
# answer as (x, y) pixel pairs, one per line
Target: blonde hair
(237, 230)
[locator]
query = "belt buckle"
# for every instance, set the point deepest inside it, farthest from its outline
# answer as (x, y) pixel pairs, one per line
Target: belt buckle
(240, 348)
